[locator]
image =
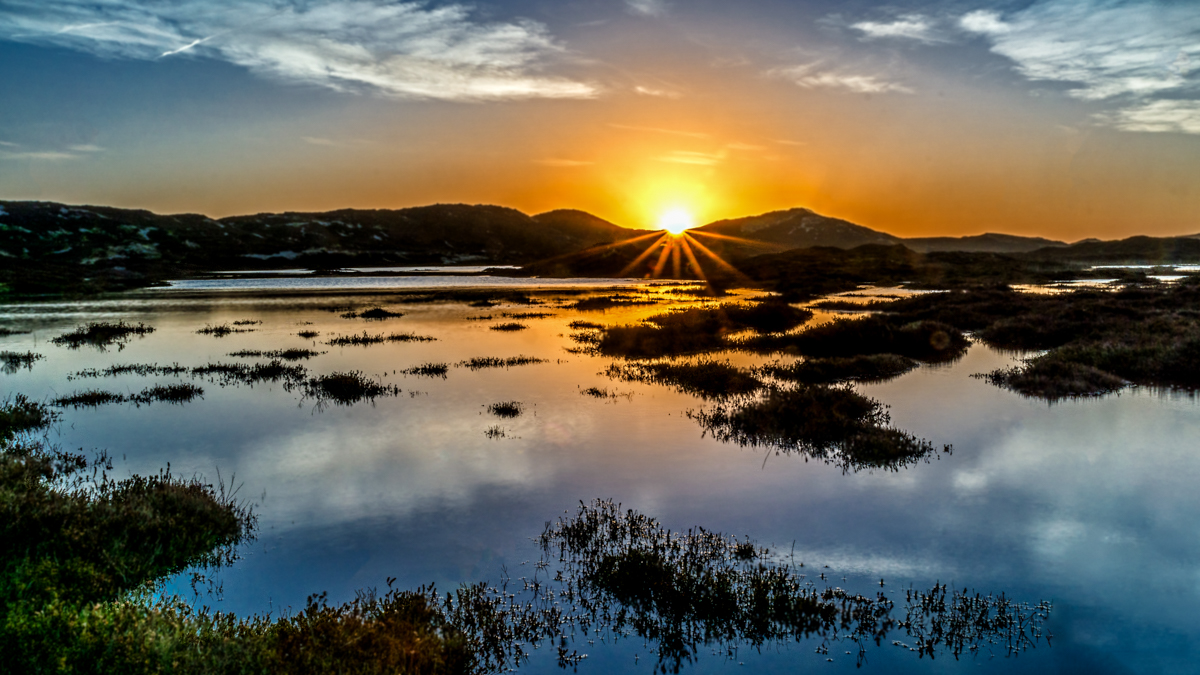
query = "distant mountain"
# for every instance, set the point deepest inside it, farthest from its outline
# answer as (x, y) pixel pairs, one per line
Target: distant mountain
(990, 242)
(1134, 250)
(42, 241)
(798, 228)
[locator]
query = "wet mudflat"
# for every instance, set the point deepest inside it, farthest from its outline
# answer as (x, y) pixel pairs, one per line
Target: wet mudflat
(1085, 503)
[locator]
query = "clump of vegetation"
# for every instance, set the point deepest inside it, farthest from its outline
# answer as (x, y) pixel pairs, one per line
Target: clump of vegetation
(481, 362)
(603, 302)
(428, 370)
(247, 322)
(285, 354)
(705, 378)
(835, 424)
(696, 330)
(526, 315)
(20, 414)
(507, 409)
(495, 432)
(308, 334)
(481, 317)
(275, 370)
(221, 330)
(922, 340)
(142, 369)
(372, 314)
(368, 339)
(177, 394)
(1142, 334)
(869, 368)
(5, 331)
(688, 591)
(508, 327)
(1054, 378)
(842, 305)
(347, 388)
(605, 393)
(584, 325)
(101, 334)
(11, 362)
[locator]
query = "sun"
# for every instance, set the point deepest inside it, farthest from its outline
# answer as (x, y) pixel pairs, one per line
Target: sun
(676, 221)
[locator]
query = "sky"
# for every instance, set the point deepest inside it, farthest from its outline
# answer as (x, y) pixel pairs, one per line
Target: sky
(1059, 118)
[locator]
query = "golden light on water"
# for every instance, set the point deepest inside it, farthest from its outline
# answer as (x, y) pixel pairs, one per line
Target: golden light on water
(676, 220)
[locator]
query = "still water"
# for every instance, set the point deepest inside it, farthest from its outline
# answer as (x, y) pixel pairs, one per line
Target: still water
(1091, 504)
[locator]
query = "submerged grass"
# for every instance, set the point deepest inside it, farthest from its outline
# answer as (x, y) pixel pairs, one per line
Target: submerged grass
(20, 414)
(11, 362)
(275, 370)
(101, 334)
(368, 339)
(696, 330)
(507, 409)
(372, 314)
(508, 327)
(428, 370)
(142, 369)
(347, 388)
(481, 362)
(285, 354)
(705, 378)
(221, 330)
(177, 394)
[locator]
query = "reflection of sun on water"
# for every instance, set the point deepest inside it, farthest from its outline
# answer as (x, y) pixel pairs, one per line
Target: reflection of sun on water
(676, 221)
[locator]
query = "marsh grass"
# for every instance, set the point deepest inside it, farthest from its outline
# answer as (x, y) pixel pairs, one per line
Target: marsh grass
(221, 330)
(225, 374)
(833, 424)
(368, 339)
(102, 334)
(604, 302)
(308, 334)
(292, 354)
(508, 327)
(696, 329)
(585, 325)
(482, 362)
(247, 322)
(428, 370)
(372, 314)
(495, 432)
(705, 378)
(347, 388)
(526, 315)
(20, 414)
(624, 574)
(141, 369)
(12, 362)
(507, 409)
(923, 340)
(1055, 379)
(480, 317)
(5, 332)
(869, 368)
(606, 394)
(177, 394)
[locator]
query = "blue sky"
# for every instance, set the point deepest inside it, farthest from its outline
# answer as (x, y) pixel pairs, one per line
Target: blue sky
(919, 117)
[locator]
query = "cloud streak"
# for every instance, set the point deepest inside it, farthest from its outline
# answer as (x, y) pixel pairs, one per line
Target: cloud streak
(911, 27)
(405, 49)
(810, 76)
(1137, 53)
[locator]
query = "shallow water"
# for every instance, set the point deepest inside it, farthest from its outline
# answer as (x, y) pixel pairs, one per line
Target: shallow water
(1090, 504)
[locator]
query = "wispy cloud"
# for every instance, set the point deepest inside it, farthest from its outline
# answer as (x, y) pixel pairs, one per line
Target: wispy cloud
(653, 91)
(910, 27)
(647, 7)
(49, 155)
(87, 147)
(1158, 116)
(403, 49)
(660, 130)
(1131, 52)
(812, 76)
(694, 158)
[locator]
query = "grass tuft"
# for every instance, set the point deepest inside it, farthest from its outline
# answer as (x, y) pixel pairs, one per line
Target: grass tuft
(101, 334)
